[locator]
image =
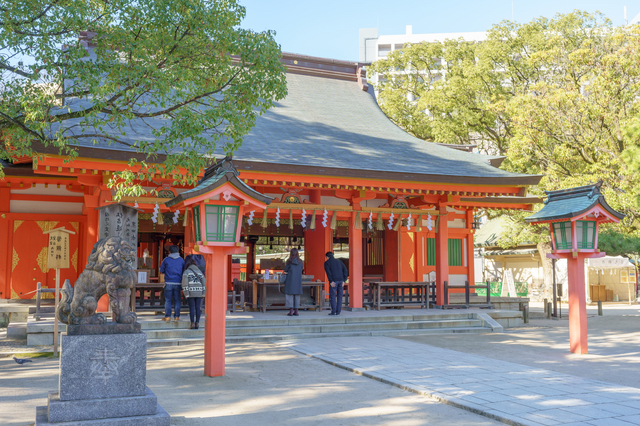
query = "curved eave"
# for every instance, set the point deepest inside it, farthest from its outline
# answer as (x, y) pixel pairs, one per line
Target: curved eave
(228, 177)
(516, 180)
(540, 218)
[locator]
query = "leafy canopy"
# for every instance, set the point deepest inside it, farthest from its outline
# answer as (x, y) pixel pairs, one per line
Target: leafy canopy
(171, 77)
(555, 96)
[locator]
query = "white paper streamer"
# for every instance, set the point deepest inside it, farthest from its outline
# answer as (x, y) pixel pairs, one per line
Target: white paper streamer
(154, 216)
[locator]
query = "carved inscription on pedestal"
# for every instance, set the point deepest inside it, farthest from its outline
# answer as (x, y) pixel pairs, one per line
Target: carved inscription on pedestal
(104, 364)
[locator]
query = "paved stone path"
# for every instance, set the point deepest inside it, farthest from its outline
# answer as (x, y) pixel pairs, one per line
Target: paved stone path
(505, 391)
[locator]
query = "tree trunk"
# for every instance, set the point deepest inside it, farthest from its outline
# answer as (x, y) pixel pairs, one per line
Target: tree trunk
(546, 291)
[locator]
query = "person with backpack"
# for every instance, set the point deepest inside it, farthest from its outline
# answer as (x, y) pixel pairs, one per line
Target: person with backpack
(337, 274)
(193, 288)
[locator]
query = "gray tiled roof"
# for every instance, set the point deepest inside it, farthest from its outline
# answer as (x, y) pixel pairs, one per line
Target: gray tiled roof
(572, 202)
(215, 177)
(330, 123)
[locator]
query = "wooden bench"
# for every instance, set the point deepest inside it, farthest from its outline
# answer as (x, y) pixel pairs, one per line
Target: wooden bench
(268, 296)
(149, 297)
(467, 293)
(401, 294)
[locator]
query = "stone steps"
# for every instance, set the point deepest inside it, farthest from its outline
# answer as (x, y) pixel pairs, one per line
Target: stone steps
(277, 326)
(317, 328)
(302, 320)
(276, 337)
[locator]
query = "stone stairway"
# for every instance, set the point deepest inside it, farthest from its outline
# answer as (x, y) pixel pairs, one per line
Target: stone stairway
(263, 330)
(275, 325)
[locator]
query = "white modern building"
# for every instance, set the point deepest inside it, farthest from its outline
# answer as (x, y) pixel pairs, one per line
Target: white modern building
(374, 46)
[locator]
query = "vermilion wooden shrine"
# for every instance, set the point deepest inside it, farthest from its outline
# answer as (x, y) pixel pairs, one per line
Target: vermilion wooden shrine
(326, 147)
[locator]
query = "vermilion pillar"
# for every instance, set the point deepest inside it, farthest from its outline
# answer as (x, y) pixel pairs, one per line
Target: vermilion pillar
(391, 269)
(442, 255)
(470, 252)
(5, 245)
(355, 264)
(316, 243)
(577, 305)
(217, 274)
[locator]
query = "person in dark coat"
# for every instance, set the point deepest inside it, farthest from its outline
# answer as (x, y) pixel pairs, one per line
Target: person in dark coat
(293, 284)
(337, 274)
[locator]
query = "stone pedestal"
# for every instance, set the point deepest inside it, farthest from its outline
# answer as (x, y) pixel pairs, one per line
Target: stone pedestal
(103, 382)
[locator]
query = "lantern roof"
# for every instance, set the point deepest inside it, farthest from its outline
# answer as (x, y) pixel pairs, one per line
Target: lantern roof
(219, 174)
(575, 203)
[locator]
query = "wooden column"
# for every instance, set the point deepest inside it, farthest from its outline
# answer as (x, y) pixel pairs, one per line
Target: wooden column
(442, 255)
(471, 266)
(316, 243)
(251, 258)
(355, 264)
(217, 275)
(391, 267)
(577, 305)
(6, 246)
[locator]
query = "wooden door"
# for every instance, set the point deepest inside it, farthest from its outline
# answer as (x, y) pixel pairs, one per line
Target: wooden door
(29, 258)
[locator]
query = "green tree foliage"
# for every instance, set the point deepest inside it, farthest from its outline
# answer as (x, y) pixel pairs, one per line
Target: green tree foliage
(182, 70)
(617, 244)
(555, 96)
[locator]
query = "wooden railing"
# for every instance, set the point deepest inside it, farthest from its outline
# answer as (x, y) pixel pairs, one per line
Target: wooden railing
(467, 295)
(401, 294)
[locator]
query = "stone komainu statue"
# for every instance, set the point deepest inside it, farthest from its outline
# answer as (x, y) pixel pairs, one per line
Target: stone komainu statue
(108, 271)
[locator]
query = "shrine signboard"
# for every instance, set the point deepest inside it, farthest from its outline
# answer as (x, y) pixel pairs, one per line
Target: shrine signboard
(58, 252)
(57, 258)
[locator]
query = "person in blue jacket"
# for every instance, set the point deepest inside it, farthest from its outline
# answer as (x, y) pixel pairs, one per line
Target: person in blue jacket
(172, 268)
(337, 274)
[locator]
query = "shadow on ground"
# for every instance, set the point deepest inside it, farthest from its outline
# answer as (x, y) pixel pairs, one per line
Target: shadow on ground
(264, 384)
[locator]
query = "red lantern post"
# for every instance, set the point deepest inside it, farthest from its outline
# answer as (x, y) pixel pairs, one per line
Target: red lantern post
(216, 207)
(574, 216)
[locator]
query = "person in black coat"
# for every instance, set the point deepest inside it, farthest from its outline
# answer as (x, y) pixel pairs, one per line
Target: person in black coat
(293, 284)
(337, 274)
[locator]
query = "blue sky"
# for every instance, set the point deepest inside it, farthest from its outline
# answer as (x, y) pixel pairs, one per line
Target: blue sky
(329, 28)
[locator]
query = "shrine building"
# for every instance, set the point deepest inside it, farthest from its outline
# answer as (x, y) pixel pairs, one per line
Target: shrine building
(338, 172)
